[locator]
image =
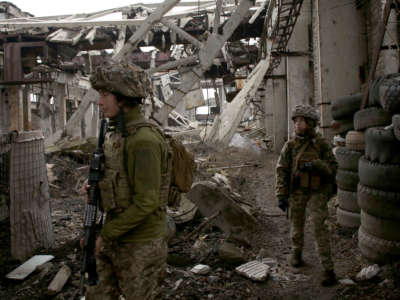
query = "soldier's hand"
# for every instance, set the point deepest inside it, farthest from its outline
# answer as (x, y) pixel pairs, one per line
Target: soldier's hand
(283, 204)
(84, 190)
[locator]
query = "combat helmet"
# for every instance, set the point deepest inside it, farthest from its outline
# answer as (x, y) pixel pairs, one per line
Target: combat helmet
(307, 112)
(122, 78)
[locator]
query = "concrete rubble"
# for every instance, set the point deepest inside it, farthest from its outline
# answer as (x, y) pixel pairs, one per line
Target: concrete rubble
(254, 270)
(233, 219)
(368, 272)
(200, 269)
(59, 280)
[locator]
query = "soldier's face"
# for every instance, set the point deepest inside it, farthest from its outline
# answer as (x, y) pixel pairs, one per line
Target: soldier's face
(300, 125)
(108, 104)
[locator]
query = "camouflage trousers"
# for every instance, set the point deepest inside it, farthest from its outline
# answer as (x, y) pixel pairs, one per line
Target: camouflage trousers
(318, 210)
(133, 270)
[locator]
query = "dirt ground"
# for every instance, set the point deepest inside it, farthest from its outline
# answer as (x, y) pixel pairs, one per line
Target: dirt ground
(256, 185)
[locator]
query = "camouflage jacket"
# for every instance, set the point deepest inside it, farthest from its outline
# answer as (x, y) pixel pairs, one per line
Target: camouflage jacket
(318, 150)
(132, 185)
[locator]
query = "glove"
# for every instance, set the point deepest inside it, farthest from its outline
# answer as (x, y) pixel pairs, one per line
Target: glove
(283, 204)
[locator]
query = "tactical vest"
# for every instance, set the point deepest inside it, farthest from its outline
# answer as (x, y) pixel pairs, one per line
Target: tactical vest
(312, 152)
(116, 190)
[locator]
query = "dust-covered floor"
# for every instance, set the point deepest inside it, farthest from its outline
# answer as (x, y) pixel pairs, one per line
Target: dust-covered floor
(256, 184)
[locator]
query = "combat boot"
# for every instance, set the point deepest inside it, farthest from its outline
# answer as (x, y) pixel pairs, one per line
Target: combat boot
(295, 259)
(328, 278)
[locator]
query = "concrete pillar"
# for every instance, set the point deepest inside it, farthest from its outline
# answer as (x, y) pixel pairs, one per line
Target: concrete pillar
(3, 110)
(45, 113)
(60, 105)
(15, 108)
(266, 97)
(27, 109)
(280, 107)
(340, 51)
(299, 80)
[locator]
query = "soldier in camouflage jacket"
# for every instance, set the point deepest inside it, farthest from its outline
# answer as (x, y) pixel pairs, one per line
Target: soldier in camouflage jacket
(131, 249)
(305, 175)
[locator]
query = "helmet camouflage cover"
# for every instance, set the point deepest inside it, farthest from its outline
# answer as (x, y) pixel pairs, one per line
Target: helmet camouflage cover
(305, 111)
(122, 78)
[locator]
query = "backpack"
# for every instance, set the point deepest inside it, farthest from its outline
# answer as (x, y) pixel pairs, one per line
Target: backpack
(181, 166)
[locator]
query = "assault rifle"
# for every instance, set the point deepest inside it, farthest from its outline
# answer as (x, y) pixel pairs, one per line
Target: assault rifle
(96, 170)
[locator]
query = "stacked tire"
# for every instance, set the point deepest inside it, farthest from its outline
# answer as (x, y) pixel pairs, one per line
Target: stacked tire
(342, 111)
(347, 156)
(378, 192)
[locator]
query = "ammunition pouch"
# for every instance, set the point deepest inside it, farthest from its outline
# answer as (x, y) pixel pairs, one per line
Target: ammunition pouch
(306, 180)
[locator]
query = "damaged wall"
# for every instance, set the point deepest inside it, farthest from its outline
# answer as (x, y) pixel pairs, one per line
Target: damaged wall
(343, 53)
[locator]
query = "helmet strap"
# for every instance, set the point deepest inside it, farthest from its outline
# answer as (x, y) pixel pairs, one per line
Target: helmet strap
(121, 122)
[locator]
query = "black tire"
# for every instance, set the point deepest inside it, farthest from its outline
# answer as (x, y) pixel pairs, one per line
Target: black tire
(387, 229)
(345, 107)
(355, 140)
(378, 203)
(371, 117)
(347, 180)
(348, 201)
(347, 159)
(382, 146)
(384, 177)
(342, 126)
(373, 97)
(347, 218)
(376, 249)
(374, 90)
(396, 126)
(389, 92)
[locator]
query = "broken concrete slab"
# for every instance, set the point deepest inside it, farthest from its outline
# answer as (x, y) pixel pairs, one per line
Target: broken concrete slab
(59, 280)
(200, 269)
(29, 266)
(232, 218)
(254, 270)
(368, 272)
(231, 254)
(347, 281)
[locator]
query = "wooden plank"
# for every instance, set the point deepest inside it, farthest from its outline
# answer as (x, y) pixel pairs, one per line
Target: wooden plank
(29, 266)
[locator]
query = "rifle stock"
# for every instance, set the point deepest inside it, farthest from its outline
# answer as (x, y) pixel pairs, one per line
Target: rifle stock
(91, 227)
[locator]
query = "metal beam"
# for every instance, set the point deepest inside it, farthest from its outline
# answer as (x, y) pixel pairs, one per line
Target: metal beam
(206, 56)
(137, 37)
(182, 33)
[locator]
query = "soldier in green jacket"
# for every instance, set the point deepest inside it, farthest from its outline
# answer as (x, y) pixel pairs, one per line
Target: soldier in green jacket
(131, 249)
(305, 175)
